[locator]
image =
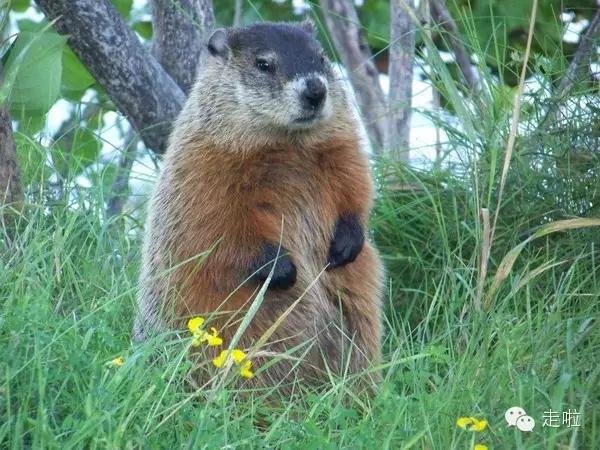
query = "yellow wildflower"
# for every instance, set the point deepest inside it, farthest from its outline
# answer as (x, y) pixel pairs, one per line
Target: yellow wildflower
(236, 354)
(480, 447)
(471, 423)
(198, 339)
(478, 425)
(117, 362)
(212, 338)
(195, 324)
(239, 358)
(463, 422)
(219, 361)
(245, 370)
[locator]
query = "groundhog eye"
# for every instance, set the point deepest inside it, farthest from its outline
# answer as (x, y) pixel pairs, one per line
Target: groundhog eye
(263, 65)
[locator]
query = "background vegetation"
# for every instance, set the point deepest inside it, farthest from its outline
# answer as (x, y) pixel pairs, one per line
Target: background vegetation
(462, 339)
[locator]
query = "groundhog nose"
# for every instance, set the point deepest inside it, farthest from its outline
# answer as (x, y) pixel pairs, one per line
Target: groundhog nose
(314, 93)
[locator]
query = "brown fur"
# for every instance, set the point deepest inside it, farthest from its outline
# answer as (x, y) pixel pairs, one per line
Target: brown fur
(230, 192)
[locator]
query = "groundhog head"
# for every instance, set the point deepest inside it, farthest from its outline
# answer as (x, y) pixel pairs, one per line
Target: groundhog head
(282, 76)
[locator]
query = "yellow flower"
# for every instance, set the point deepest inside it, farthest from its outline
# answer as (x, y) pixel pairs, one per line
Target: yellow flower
(462, 422)
(245, 370)
(480, 447)
(238, 355)
(198, 339)
(478, 425)
(117, 362)
(219, 361)
(195, 324)
(471, 423)
(211, 338)
(239, 358)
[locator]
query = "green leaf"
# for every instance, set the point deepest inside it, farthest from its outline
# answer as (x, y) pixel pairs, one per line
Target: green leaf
(123, 6)
(75, 77)
(34, 69)
(20, 5)
(31, 25)
(144, 29)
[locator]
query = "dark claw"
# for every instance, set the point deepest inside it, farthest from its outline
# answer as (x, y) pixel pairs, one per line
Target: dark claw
(284, 274)
(348, 240)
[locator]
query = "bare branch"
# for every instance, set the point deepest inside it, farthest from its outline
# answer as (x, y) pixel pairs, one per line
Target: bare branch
(402, 53)
(180, 30)
(135, 81)
(572, 76)
(350, 44)
(442, 17)
(119, 189)
(425, 16)
(586, 45)
(11, 188)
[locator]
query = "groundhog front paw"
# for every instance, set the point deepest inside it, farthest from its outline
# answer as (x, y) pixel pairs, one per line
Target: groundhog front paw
(284, 274)
(348, 241)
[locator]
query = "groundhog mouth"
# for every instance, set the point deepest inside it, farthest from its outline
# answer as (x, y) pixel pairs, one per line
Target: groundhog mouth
(307, 120)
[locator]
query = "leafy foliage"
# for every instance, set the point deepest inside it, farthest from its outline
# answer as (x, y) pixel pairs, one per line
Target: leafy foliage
(34, 70)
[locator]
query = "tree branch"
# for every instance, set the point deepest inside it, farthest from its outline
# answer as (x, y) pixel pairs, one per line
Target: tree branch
(442, 17)
(11, 189)
(350, 44)
(402, 53)
(135, 81)
(583, 51)
(237, 14)
(572, 74)
(180, 30)
(119, 190)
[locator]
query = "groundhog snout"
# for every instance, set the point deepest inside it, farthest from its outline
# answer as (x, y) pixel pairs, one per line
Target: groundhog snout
(314, 94)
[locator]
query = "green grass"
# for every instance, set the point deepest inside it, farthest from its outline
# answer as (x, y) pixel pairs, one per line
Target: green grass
(68, 296)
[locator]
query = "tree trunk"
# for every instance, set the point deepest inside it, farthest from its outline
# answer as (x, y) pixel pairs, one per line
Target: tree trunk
(402, 54)
(237, 15)
(11, 189)
(442, 17)
(181, 29)
(135, 81)
(353, 50)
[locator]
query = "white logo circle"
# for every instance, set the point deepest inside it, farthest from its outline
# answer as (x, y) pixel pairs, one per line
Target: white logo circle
(525, 423)
(512, 414)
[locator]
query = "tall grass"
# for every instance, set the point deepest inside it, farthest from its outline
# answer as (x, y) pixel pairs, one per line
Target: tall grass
(68, 280)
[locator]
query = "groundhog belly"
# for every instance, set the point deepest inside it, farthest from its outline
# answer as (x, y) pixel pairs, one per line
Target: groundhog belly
(318, 327)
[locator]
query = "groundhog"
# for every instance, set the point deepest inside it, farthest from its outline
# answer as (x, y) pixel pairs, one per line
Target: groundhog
(265, 167)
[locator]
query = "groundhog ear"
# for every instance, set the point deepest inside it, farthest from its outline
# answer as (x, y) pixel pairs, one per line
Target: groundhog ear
(217, 43)
(308, 26)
